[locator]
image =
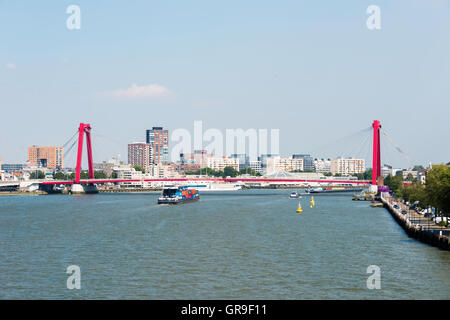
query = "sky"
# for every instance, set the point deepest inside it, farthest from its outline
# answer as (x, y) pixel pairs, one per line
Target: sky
(311, 69)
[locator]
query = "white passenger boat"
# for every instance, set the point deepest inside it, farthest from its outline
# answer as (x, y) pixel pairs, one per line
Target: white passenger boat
(216, 187)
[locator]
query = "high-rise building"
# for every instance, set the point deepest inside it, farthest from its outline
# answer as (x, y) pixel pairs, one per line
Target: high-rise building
(140, 154)
(347, 166)
(308, 161)
(159, 139)
(46, 157)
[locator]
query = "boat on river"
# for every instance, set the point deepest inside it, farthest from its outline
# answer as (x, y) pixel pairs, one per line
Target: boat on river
(333, 190)
(294, 195)
(177, 195)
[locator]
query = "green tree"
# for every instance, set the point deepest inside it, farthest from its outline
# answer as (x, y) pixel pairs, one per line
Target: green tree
(409, 177)
(249, 171)
(230, 172)
(139, 168)
(395, 183)
(437, 187)
(59, 176)
(419, 168)
(113, 175)
(37, 175)
(367, 174)
(99, 175)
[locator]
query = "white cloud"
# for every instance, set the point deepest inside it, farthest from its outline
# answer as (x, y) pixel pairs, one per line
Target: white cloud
(10, 66)
(139, 92)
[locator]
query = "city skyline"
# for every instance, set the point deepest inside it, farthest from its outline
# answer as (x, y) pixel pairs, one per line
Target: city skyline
(315, 74)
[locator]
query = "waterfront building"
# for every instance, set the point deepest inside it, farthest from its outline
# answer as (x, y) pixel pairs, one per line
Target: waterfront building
(244, 160)
(386, 170)
(219, 163)
(308, 161)
(347, 166)
(159, 139)
(46, 157)
(126, 172)
(322, 165)
(255, 165)
(276, 164)
(198, 157)
(264, 157)
(408, 172)
(12, 167)
(107, 166)
(164, 170)
(140, 154)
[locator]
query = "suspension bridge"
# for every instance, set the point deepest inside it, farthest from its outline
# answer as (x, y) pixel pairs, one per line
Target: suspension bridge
(89, 185)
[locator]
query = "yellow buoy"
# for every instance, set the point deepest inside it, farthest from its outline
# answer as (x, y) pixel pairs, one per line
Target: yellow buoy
(312, 202)
(299, 209)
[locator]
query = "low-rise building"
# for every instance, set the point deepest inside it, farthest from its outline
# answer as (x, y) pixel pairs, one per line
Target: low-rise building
(322, 165)
(219, 163)
(256, 166)
(408, 172)
(347, 166)
(277, 164)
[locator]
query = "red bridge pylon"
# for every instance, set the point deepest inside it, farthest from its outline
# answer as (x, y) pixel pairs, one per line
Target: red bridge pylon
(376, 163)
(84, 128)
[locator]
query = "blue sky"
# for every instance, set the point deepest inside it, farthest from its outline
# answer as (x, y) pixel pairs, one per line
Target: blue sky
(309, 68)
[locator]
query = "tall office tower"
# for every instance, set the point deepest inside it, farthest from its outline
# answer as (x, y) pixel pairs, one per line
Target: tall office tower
(46, 157)
(159, 139)
(140, 154)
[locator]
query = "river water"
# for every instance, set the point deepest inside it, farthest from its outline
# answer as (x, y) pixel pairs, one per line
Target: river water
(249, 244)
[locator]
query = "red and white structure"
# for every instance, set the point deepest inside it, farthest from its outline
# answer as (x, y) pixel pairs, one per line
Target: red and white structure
(84, 128)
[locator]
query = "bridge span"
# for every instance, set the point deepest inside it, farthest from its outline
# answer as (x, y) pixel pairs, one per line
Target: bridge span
(247, 180)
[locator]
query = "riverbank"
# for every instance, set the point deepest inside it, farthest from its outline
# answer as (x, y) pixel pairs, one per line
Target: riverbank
(417, 226)
(19, 193)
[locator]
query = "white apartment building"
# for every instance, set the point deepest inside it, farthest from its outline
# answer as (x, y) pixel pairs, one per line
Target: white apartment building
(276, 164)
(256, 165)
(322, 165)
(408, 172)
(163, 170)
(218, 164)
(347, 166)
(126, 172)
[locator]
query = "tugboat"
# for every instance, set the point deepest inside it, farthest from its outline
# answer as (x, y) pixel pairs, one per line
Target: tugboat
(177, 195)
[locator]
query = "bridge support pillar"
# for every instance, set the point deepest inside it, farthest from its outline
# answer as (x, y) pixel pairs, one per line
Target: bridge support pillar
(84, 188)
(376, 162)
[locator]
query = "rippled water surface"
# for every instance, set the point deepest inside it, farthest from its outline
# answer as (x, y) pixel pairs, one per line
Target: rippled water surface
(244, 245)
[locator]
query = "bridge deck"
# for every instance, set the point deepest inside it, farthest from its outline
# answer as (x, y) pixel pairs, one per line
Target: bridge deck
(100, 181)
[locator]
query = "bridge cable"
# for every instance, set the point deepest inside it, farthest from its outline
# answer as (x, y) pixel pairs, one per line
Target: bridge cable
(396, 147)
(68, 141)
